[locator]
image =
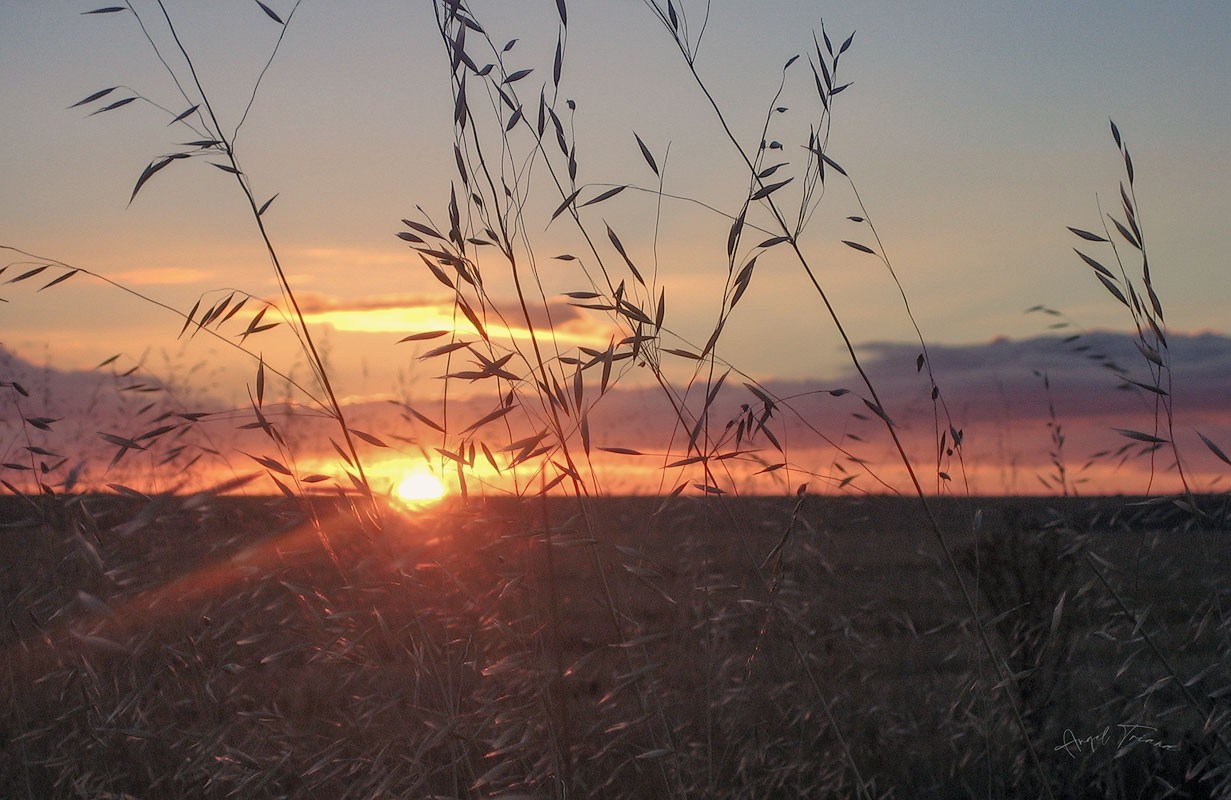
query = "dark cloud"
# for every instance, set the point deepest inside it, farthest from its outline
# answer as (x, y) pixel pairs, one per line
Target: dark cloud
(1087, 375)
(61, 418)
(994, 392)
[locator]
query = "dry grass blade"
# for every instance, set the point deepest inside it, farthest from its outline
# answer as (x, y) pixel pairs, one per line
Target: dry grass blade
(1087, 235)
(269, 12)
(1215, 449)
(645, 153)
(766, 191)
(603, 196)
(619, 246)
(113, 106)
(95, 96)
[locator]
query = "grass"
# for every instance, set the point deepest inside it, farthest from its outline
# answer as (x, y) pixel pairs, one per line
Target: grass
(242, 661)
(542, 638)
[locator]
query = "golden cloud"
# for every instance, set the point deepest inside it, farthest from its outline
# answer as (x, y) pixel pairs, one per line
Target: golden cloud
(161, 276)
(410, 314)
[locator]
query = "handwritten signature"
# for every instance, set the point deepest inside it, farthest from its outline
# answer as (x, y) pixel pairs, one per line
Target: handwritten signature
(1129, 734)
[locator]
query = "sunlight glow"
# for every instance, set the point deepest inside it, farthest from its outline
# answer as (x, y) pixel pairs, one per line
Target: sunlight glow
(415, 319)
(419, 486)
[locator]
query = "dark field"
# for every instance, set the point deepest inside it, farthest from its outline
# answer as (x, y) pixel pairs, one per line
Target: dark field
(719, 648)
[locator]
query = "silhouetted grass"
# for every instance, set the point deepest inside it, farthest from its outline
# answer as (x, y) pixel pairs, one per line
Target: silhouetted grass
(243, 661)
(536, 637)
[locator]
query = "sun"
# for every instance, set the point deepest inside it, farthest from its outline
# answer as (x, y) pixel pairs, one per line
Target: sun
(417, 486)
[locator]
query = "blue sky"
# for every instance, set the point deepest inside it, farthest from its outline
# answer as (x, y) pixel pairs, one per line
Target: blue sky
(975, 132)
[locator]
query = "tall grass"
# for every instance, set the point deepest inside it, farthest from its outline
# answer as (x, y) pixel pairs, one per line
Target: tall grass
(537, 637)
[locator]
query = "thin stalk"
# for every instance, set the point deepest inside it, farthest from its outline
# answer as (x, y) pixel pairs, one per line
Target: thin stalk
(556, 691)
(158, 303)
(537, 360)
(1005, 677)
(315, 359)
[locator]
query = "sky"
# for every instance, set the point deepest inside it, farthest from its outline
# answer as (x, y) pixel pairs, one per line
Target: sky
(974, 133)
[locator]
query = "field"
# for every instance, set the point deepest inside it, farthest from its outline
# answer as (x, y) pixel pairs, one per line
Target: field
(206, 647)
(665, 261)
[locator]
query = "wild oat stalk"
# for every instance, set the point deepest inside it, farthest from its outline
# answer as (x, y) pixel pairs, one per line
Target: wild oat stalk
(826, 90)
(493, 216)
(216, 142)
(1145, 309)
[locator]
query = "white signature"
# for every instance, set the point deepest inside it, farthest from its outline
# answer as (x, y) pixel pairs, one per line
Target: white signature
(1129, 735)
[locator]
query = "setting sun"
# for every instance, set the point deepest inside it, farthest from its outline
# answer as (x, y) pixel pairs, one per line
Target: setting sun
(418, 485)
